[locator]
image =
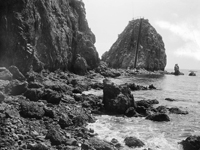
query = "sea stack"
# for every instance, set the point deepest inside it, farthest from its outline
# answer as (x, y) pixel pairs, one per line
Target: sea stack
(45, 34)
(138, 46)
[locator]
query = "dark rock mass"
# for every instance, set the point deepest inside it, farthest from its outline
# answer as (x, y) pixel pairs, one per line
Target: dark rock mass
(151, 51)
(45, 34)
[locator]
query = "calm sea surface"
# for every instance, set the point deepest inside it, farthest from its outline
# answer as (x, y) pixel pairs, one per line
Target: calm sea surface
(157, 136)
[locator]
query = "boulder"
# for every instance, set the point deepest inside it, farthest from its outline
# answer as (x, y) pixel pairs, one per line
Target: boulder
(151, 51)
(162, 109)
(33, 94)
(16, 87)
(54, 136)
(51, 96)
(158, 117)
(131, 112)
(192, 73)
(31, 110)
(117, 99)
(191, 143)
(16, 73)
(133, 142)
(98, 144)
(65, 121)
(176, 110)
(5, 74)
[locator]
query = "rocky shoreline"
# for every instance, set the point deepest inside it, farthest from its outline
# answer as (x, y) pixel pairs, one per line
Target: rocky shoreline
(48, 110)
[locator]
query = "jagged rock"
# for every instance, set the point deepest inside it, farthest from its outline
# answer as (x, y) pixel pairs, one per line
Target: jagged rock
(45, 34)
(117, 99)
(158, 117)
(5, 74)
(16, 73)
(33, 94)
(130, 112)
(80, 65)
(133, 142)
(151, 51)
(16, 87)
(176, 110)
(52, 96)
(55, 136)
(31, 110)
(65, 121)
(162, 109)
(98, 144)
(49, 112)
(191, 143)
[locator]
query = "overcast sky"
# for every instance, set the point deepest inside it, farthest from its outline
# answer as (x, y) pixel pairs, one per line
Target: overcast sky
(177, 21)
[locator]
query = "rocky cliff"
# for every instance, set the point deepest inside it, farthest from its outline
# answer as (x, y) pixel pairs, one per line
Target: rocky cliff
(151, 51)
(53, 34)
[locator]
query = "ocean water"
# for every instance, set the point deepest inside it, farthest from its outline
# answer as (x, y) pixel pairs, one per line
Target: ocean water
(156, 135)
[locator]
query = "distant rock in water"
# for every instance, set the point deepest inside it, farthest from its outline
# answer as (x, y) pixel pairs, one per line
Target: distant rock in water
(151, 51)
(192, 73)
(45, 34)
(177, 71)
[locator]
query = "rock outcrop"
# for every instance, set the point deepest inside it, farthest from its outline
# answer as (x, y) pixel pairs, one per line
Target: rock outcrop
(151, 51)
(45, 34)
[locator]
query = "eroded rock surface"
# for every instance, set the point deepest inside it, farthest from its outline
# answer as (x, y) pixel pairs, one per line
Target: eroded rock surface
(46, 34)
(151, 51)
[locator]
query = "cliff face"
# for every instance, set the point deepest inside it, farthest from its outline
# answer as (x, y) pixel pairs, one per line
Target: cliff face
(45, 33)
(151, 51)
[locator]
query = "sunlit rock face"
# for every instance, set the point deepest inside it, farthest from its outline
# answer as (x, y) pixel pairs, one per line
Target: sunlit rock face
(45, 34)
(151, 51)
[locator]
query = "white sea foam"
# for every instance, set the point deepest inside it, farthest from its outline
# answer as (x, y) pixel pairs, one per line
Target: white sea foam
(109, 127)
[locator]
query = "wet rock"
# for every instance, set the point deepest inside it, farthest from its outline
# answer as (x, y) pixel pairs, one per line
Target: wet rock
(33, 94)
(71, 141)
(177, 71)
(16, 73)
(55, 136)
(176, 110)
(93, 102)
(133, 142)
(192, 73)
(162, 109)
(130, 112)
(116, 143)
(158, 117)
(142, 110)
(170, 99)
(152, 87)
(5, 74)
(117, 99)
(16, 87)
(191, 143)
(98, 144)
(31, 110)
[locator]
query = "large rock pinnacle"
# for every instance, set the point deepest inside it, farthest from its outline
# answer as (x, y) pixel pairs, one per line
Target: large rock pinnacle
(151, 51)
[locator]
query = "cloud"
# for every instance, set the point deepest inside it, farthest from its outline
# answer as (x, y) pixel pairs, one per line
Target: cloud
(189, 33)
